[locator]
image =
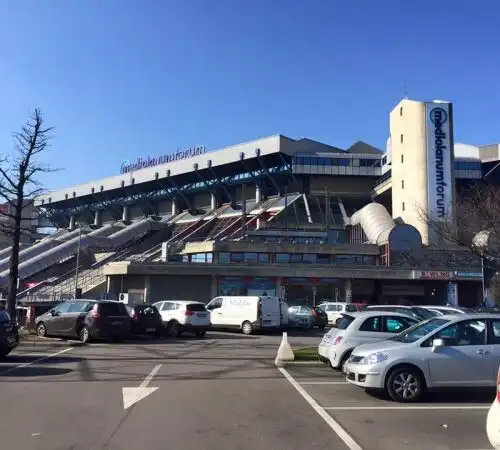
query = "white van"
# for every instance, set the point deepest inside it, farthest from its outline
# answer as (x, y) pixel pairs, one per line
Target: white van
(247, 313)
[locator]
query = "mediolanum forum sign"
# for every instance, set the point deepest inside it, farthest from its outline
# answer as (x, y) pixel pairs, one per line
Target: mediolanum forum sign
(143, 163)
(439, 158)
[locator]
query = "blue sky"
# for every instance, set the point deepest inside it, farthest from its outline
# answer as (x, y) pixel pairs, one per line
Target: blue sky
(121, 79)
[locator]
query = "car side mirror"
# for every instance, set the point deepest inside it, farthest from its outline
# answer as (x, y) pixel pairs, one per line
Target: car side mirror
(437, 344)
(54, 313)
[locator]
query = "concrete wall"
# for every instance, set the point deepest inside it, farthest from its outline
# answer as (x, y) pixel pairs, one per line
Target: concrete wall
(409, 164)
(350, 186)
(181, 288)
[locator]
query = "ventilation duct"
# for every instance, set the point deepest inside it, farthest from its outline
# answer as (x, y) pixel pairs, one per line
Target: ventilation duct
(375, 221)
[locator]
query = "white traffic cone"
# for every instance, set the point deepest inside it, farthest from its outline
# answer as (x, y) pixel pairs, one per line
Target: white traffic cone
(493, 419)
(285, 352)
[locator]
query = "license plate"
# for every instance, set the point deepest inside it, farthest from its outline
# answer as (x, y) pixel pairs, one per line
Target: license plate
(116, 323)
(202, 315)
(150, 330)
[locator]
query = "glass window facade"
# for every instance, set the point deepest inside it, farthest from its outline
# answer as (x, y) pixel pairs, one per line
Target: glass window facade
(280, 258)
(468, 165)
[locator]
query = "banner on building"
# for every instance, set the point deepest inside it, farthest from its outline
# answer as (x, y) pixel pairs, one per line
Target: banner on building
(439, 161)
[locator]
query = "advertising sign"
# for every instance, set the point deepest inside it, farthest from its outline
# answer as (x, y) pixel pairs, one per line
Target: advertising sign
(432, 275)
(439, 160)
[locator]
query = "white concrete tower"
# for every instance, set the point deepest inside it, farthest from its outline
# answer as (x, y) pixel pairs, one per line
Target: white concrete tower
(422, 165)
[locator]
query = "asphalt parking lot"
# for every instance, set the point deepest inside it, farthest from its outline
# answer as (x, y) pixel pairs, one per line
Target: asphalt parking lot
(218, 393)
(221, 392)
(444, 421)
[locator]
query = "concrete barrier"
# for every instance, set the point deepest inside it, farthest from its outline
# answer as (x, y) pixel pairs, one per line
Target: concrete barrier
(285, 352)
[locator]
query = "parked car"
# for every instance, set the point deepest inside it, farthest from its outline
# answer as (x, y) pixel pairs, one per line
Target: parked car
(417, 312)
(360, 328)
(443, 310)
(180, 316)
(145, 319)
(86, 320)
(334, 310)
(307, 317)
(460, 350)
(9, 334)
(248, 313)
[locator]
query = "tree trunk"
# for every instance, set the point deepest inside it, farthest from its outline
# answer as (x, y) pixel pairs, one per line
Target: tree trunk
(14, 263)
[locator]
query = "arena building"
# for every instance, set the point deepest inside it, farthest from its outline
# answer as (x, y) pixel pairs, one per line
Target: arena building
(279, 216)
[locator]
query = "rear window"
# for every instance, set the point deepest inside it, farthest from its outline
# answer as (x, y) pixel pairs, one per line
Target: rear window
(112, 309)
(195, 307)
(345, 322)
(146, 310)
(4, 316)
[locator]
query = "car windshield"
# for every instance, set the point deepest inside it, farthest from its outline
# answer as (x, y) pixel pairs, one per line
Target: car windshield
(146, 310)
(419, 330)
(424, 313)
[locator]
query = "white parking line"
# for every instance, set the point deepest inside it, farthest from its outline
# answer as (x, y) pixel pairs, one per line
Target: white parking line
(332, 423)
(43, 358)
(409, 407)
(306, 383)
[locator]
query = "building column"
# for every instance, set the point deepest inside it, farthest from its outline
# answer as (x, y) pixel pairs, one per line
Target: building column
(258, 195)
(97, 218)
(71, 223)
(348, 290)
(215, 286)
(213, 202)
(125, 213)
(147, 289)
(174, 208)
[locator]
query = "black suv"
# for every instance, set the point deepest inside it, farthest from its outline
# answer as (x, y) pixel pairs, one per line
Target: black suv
(9, 334)
(86, 320)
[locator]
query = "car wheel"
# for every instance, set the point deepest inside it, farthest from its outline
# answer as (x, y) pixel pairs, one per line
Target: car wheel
(247, 328)
(174, 329)
(41, 330)
(405, 385)
(201, 334)
(85, 335)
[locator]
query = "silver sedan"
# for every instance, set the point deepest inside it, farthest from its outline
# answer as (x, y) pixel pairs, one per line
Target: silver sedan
(447, 351)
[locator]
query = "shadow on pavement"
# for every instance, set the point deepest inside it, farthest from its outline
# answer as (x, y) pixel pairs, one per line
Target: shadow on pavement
(16, 360)
(34, 371)
(449, 396)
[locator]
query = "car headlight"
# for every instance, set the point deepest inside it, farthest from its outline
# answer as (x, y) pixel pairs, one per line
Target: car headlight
(374, 358)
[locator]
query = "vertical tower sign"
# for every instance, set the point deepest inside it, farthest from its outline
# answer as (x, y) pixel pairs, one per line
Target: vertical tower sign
(439, 143)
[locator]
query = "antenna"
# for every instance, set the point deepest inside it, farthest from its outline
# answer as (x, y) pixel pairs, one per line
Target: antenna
(405, 92)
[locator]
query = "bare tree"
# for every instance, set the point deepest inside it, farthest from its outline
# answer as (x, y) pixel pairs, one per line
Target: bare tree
(477, 225)
(19, 185)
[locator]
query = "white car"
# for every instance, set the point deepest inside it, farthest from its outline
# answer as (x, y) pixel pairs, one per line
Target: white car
(442, 310)
(360, 328)
(181, 316)
(334, 310)
(461, 350)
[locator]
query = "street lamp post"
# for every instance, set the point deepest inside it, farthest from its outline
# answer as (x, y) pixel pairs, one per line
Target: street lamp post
(78, 259)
